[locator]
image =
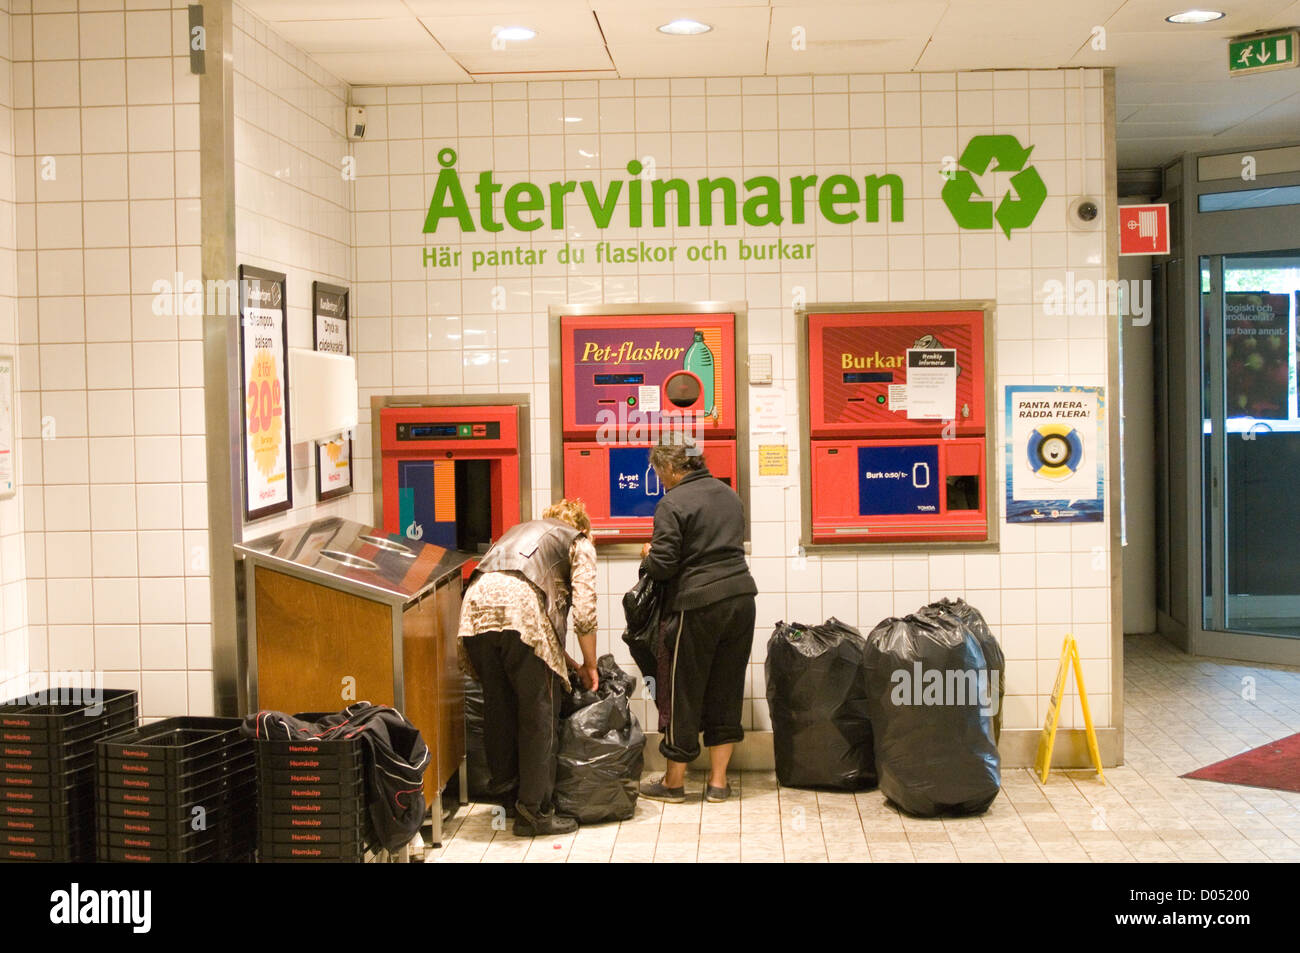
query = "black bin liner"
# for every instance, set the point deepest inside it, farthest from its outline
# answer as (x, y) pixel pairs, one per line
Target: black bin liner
(817, 695)
(926, 676)
(601, 748)
(478, 779)
(973, 619)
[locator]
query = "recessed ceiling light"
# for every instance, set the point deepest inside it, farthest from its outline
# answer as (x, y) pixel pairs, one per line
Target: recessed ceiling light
(1195, 16)
(685, 28)
(516, 33)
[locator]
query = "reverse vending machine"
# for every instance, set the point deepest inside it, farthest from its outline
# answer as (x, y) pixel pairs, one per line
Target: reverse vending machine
(623, 376)
(453, 474)
(897, 401)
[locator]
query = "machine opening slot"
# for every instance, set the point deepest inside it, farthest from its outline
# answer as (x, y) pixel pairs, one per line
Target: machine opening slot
(473, 505)
(963, 492)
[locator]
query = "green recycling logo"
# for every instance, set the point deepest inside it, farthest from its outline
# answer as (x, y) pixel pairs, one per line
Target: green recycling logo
(1021, 203)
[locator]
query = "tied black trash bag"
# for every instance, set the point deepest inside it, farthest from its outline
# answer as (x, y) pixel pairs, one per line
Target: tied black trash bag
(601, 745)
(821, 726)
(973, 619)
(478, 779)
(642, 606)
(928, 680)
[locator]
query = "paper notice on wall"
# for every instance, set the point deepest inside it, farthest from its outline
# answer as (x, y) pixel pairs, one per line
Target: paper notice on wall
(647, 399)
(931, 383)
(898, 397)
(767, 411)
(773, 460)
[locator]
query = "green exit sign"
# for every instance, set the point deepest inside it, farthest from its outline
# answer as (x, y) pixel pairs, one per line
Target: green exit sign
(1263, 52)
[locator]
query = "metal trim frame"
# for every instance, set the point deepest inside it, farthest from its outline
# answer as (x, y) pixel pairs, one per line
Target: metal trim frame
(521, 401)
(341, 583)
(993, 505)
(399, 665)
(1114, 472)
(1213, 235)
(740, 348)
(220, 357)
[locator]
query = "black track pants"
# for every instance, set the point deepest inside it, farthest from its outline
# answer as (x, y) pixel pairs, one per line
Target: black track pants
(705, 676)
(521, 716)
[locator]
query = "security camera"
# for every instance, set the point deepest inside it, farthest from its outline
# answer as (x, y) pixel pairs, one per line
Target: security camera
(356, 122)
(1085, 213)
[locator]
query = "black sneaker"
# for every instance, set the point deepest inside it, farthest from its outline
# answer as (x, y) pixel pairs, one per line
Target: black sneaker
(530, 824)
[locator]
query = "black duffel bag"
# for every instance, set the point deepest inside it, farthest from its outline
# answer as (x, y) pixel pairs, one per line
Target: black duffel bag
(932, 698)
(817, 696)
(601, 748)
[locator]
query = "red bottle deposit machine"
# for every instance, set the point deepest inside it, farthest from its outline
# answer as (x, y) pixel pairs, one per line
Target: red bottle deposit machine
(451, 473)
(897, 425)
(624, 379)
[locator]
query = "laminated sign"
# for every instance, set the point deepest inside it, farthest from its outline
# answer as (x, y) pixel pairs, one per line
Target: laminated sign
(1055, 447)
(330, 335)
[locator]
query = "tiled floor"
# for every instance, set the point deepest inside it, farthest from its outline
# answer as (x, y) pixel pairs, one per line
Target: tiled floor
(1181, 713)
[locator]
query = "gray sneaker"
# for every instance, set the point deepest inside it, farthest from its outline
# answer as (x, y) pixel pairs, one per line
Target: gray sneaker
(714, 795)
(656, 791)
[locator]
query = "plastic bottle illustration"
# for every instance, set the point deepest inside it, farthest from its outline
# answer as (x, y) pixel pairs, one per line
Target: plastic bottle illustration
(652, 487)
(699, 361)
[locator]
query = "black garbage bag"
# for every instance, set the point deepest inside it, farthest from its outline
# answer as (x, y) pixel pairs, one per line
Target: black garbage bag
(928, 682)
(973, 619)
(642, 607)
(601, 747)
(821, 726)
(478, 779)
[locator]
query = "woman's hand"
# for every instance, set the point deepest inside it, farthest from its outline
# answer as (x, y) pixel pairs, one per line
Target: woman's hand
(645, 550)
(590, 679)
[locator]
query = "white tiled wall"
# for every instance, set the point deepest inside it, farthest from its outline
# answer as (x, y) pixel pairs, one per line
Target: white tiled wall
(13, 572)
(425, 331)
(292, 203)
(106, 137)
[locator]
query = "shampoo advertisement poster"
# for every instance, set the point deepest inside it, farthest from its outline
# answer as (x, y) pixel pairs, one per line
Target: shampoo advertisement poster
(1055, 448)
(264, 358)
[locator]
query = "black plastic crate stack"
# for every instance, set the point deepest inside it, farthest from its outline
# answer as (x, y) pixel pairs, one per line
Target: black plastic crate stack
(182, 790)
(313, 800)
(47, 774)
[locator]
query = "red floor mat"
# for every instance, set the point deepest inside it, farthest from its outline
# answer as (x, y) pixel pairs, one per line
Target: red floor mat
(1274, 765)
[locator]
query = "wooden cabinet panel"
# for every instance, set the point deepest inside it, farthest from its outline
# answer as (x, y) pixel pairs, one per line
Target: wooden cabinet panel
(310, 637)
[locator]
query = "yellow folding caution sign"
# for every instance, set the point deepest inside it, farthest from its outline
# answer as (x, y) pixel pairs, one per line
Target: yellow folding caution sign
(1047, 740)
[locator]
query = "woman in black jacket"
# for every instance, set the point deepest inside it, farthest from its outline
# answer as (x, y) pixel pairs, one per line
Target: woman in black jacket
(698, 549)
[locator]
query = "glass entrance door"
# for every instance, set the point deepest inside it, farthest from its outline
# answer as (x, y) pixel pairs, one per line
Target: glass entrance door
(1251, 443)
